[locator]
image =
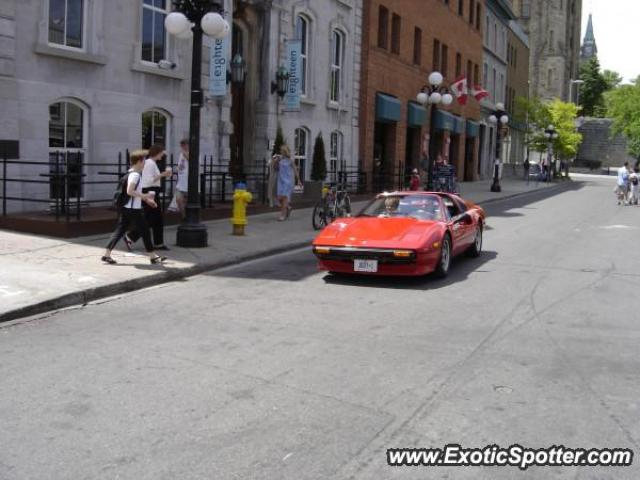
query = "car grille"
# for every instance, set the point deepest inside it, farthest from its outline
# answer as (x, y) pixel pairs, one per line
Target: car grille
(381, 255)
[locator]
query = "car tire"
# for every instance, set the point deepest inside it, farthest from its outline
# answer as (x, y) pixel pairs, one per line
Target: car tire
(444, 260)
(319, 217)
(475, 250)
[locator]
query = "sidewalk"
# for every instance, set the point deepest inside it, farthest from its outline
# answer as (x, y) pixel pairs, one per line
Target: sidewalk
(40, 274)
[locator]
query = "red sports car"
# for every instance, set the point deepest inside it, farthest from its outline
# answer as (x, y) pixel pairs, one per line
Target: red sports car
(402, 233)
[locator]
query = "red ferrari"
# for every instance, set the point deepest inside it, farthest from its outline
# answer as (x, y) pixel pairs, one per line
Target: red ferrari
(402, 233)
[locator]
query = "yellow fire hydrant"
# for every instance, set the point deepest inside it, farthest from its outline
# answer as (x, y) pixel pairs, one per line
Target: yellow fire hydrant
(239, 215)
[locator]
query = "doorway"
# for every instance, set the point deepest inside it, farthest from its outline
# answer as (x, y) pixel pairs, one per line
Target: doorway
(383, 152)
(469, 147)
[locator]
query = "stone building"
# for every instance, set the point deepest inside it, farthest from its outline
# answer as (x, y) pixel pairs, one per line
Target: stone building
(599, 148)
(495, 59)
(403, 42)
(589, 48)
(553, 28)
(85, 81)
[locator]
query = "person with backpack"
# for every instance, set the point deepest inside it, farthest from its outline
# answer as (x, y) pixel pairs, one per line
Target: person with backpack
(128, 200)
(151, 183)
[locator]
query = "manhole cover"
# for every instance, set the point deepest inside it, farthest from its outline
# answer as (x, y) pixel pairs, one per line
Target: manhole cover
(503, 389)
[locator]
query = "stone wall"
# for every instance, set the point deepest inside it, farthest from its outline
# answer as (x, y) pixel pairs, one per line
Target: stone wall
(598, 146)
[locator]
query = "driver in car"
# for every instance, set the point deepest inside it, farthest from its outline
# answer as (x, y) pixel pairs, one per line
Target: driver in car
(391, 205)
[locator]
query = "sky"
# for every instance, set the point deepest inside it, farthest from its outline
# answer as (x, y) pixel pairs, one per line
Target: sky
(615, 26)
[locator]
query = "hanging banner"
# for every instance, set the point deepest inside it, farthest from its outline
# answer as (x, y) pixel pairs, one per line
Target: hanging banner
(294, 66)
(218, 64)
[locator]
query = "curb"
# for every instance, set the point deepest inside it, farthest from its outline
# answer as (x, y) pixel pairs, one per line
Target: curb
(86, 296)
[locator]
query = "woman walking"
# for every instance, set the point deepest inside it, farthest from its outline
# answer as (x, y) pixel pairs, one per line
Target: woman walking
(288, 176)
(182, 186)
(151, 177)
(131, 214)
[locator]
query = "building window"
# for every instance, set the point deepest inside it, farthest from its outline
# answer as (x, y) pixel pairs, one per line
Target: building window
(478, 15)
(476, 74)
(436, 55)
(396, 24)
(383, 27)
(417, 46)
(155, 126)
(485, 76)
(444, 60)
(302, 34)
(335, 148)
(526, 8)
(469, 72)
(551, 39)
(458, 65)
(154, 36)
(500, 92)
(67, 148)
(337, 48)
(471, 8)
(550, 78)
(486, 32)
(301, 150)
(461, 7)
(494, 86)
(66, 18)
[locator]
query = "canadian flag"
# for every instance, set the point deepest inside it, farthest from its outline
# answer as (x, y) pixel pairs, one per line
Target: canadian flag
(479, 93)
(459, 90)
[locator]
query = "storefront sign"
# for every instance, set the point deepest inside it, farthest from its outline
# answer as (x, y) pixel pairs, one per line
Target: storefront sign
(294, 66)
(218, 64)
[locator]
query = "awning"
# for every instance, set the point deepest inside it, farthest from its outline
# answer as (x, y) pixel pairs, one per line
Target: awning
(458, 127)
(416, 115)
(473, 128)
(444, 121)
(387, 108)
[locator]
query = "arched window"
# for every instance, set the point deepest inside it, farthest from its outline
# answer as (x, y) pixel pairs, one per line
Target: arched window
(301, 147)
(67, 148)
(66, 19)
(337, 59)
(302, 34)
(155, 128)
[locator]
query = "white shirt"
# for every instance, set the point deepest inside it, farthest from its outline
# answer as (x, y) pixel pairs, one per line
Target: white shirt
(623, 176)
(149, 172)
(183, 174)
(134, 202)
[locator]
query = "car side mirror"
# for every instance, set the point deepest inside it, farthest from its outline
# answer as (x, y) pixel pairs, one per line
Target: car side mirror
(465, 219)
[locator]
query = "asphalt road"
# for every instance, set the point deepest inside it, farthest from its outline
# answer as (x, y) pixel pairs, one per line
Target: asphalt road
(271, 370)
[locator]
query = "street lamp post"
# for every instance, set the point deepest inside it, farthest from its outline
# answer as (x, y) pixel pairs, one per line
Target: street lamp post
(500, 119)
(432, 95)
(550, 134)
(201, 17)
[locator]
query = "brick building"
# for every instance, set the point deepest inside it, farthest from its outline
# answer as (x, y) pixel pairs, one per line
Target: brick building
(517, 87)
(403, 42)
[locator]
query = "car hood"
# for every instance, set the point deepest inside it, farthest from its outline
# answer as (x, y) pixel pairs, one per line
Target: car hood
(379, 232)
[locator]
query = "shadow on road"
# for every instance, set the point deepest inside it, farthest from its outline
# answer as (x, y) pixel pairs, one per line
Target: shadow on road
(502, 208)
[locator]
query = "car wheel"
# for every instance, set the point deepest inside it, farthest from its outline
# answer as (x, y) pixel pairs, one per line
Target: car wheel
(319, 218)
(476, 247)
(444, 262)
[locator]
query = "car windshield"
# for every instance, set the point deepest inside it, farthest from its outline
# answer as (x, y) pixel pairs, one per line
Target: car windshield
(421, 207)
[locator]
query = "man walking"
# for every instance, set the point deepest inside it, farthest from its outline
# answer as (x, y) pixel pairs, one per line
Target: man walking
(623, 183)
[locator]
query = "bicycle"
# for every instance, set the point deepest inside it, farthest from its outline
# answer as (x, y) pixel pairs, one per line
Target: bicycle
(335, 203)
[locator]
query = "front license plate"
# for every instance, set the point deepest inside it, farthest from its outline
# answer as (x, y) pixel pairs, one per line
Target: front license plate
(370, 266)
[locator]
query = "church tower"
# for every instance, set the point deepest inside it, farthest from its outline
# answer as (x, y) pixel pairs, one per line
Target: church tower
(589, 48)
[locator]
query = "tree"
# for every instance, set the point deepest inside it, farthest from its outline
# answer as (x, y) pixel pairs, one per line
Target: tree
(319, 165)
(591, 92)
(279, 141)
(612, 78)
(563, 118)
(623, 107)
(561, 115)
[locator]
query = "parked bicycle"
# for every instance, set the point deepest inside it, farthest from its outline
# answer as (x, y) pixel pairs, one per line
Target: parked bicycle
(335, 203)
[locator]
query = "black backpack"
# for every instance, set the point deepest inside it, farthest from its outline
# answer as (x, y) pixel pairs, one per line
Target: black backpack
(120, 196)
